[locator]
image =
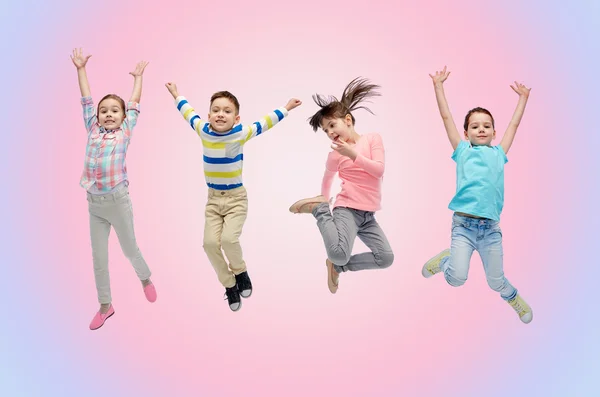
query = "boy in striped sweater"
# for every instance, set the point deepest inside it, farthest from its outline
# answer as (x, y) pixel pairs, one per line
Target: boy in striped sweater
(223, 140)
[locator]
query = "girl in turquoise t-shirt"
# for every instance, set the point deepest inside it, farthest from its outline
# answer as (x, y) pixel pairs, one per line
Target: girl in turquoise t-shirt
(479, 197)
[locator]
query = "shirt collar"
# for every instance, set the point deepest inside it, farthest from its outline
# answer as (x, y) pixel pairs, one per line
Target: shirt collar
(104, 130)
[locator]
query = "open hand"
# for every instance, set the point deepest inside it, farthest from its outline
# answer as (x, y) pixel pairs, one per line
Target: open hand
(345, 149)
(293, 103)
(79, 60)
(440, 76)
(521, 89)
(139, 69)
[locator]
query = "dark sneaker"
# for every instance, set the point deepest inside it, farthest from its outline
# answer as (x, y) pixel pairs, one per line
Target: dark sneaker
(244, 284)
(233, 298)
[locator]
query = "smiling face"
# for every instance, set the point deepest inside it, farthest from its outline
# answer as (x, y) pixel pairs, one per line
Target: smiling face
(224, 111)
(480, 129)
(111, 113)
(222, 115)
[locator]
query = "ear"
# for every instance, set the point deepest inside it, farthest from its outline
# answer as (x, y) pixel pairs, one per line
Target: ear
(348, 120)
(237, 119)
(466, 135)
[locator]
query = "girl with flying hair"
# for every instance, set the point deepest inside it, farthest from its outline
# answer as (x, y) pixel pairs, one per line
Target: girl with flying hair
(359, 160)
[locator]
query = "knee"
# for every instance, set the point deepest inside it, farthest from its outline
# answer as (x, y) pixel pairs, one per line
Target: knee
(338, 257)
(229, 240)
(496, 284)
(132, 253)
(384, 259)
(100, 266)
(211, 244)
(455, 279)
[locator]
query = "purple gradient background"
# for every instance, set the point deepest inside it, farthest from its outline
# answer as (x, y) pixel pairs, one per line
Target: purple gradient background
(386, 333)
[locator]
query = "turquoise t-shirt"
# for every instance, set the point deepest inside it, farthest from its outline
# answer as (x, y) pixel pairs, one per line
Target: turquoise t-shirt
(479, 180)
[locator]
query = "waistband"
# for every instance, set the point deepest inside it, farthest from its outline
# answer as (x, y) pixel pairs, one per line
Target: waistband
(226, 193)
(111, 197)
(466, 221)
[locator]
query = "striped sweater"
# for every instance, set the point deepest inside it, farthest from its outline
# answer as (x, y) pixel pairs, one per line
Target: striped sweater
(223, 152)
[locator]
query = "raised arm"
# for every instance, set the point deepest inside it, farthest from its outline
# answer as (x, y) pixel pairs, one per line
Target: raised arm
(270, 120)
(137, 74)
(438, 84)
(509, 135)
(80, 60)
(186, 110)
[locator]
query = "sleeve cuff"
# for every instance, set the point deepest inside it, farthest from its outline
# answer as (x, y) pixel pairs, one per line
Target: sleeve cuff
(501, 150)
(133, 106)
(87, 100)
(459, 148)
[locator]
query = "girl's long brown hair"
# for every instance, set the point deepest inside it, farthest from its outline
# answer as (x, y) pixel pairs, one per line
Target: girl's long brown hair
(356, 92)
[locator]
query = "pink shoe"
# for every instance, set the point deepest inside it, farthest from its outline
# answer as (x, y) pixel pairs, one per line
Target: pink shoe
(150, 292)
(99, 318)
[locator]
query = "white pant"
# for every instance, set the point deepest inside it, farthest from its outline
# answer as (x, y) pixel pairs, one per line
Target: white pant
(113, 209)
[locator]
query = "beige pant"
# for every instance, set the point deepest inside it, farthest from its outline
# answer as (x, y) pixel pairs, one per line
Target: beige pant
(113, 210)
(225, 214)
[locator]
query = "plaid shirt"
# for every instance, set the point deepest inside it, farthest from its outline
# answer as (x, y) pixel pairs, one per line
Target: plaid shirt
(105, 152)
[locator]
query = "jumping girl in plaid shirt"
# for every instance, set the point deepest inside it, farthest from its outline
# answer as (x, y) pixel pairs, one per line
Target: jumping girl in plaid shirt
(109, 129)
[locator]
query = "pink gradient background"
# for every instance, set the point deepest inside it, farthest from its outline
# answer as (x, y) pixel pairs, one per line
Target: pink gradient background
(386, 333)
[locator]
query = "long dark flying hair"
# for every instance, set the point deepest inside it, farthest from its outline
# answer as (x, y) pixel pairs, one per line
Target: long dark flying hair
(358, 91)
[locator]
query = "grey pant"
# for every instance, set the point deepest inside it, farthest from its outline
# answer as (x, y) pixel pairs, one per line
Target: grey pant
(113, 209)
(339, 230)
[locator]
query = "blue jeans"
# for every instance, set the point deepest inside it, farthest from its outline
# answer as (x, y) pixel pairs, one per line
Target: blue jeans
(484, 236)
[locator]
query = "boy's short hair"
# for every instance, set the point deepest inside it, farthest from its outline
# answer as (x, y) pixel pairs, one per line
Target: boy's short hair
(228, 95)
